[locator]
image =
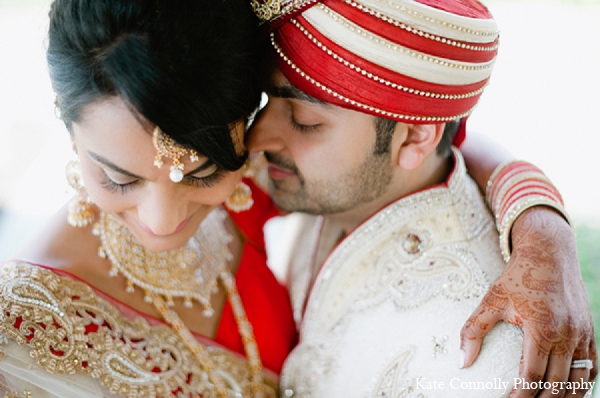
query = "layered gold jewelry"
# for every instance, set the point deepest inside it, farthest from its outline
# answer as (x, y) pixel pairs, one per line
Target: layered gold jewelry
(191, 273)
(167, 147)
(81, 210)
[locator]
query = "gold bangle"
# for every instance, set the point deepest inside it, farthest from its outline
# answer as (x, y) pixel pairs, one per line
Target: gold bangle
(519, 208)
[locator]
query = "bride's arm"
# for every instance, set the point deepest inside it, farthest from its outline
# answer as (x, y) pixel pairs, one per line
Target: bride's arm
(541, 288)
(482, 156)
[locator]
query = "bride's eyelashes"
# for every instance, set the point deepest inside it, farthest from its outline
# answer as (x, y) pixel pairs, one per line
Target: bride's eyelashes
(113, 186)
(200, 182)
(207, 181)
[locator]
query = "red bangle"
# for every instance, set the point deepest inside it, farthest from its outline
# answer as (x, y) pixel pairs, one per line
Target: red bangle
(515, 187)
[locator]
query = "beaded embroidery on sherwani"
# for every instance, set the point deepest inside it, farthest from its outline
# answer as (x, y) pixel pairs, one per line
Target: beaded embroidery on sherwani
(425, 253)
(390, 299)
(70, 329)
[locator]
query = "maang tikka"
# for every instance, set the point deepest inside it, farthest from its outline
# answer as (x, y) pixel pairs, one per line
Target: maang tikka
(166, 146)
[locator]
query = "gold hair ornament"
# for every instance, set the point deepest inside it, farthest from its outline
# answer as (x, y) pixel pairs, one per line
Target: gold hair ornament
(167, 147)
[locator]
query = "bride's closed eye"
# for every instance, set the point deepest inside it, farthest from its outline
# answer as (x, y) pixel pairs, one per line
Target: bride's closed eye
(113, 186)
(203, 179)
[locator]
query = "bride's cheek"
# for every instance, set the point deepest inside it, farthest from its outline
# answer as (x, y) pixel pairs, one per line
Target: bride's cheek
(111, 201)
(218, 193)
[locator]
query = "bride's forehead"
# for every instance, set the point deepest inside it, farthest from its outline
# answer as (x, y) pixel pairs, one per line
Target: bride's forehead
(111, 112)
(111, 129)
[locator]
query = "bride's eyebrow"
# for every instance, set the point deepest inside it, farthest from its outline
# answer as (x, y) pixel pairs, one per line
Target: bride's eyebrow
(111, 165)
(101, 159)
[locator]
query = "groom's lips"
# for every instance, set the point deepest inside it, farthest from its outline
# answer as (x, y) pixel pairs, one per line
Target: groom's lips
(277, 173)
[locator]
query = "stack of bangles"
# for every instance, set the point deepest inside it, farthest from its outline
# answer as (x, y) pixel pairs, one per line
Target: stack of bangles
(515, 187)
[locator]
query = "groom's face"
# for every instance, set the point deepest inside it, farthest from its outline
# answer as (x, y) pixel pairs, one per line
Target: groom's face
(322, 158)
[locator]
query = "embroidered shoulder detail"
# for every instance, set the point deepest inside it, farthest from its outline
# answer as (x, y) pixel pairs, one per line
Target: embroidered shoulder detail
(69, 329)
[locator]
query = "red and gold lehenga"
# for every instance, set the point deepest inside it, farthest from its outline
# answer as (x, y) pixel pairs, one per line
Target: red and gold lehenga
(59, 337)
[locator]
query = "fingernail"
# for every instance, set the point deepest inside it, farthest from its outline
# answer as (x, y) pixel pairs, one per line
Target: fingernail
(461, 359)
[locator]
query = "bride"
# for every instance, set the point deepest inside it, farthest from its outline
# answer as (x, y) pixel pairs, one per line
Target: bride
(130, 289)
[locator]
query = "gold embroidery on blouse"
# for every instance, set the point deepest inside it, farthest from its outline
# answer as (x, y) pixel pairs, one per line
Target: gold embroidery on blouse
(69, 329)
(16, 394)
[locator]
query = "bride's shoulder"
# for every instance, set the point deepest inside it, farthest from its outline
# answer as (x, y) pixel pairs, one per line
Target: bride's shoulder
(59, 245)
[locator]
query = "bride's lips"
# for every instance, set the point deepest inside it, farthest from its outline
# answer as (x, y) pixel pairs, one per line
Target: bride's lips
(147, 229)
(277, 173)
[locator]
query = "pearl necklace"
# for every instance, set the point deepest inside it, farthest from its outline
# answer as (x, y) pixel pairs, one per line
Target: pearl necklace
(190, 272)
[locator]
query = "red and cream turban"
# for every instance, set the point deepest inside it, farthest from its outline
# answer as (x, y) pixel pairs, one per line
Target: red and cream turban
(414, 61)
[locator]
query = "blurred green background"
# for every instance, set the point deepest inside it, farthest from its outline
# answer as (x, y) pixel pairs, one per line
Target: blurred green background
(588, 246)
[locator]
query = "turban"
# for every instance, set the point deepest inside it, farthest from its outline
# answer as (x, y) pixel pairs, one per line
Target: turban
(414, 61)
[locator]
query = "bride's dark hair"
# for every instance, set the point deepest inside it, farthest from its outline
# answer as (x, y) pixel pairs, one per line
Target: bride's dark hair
(189, 66)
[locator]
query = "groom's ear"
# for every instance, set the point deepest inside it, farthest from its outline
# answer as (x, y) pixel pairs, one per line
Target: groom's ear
(420, 140)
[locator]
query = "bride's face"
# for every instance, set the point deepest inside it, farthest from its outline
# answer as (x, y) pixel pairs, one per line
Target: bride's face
(117, 163)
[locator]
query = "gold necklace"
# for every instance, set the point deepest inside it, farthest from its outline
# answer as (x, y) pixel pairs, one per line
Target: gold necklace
(190, 272)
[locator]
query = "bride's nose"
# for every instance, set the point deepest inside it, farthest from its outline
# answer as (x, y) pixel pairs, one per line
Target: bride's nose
(163, 209)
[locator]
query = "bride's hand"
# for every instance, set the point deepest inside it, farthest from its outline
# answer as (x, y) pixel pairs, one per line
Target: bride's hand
(541, 291)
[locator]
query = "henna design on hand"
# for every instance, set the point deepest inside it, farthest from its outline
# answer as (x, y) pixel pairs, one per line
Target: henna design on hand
(541, 290)
(546, 286)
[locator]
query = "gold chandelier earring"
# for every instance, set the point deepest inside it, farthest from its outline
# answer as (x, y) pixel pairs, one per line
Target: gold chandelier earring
(81, 210)
(241, 198)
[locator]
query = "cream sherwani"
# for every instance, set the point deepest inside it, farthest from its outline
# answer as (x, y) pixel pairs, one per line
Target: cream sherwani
(384, 315)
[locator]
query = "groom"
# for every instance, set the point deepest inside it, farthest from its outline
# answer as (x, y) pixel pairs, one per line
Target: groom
(364, 101)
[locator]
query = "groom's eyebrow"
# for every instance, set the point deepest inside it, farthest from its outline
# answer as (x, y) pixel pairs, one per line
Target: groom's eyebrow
(289, 91)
